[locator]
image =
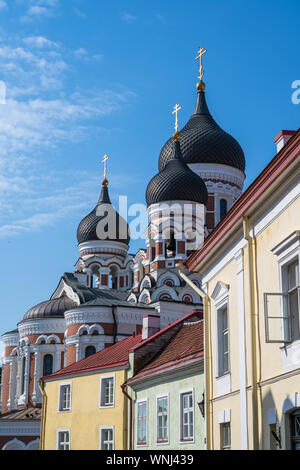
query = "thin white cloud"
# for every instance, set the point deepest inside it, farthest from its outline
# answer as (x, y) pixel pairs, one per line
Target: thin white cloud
(39, 9)
(79, 13)
(128, 17)
(80, 52)
(43, 113)
(3, 4)
(40, 42)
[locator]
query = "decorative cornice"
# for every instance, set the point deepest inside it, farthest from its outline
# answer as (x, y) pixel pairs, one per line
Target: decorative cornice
(220, 172)
(40, 326)
(29, 428)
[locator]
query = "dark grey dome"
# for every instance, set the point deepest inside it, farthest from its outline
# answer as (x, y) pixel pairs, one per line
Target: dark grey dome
(117, 230)
(51, 308)
(176, 182)
(203, 141)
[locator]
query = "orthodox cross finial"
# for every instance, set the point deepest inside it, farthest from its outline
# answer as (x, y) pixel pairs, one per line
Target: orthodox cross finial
(201, 52)
(176, 109)
(106, 158)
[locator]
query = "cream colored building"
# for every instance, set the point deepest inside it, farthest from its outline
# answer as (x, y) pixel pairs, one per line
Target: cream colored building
(250, 278)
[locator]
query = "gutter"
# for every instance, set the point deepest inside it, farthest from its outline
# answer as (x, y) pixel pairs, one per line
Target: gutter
(123, 386)
(209, 443)
(254, 345)
(43, 417)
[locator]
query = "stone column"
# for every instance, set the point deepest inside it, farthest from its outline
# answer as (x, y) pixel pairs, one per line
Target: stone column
(36, 377)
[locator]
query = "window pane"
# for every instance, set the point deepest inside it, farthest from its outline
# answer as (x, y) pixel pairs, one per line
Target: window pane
(47, 365)
(277, 317)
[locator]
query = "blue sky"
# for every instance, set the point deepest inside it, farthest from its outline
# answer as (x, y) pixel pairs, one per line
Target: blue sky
(88, 77)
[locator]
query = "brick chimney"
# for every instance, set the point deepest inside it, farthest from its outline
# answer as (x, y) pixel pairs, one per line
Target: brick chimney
(151, 325)
(282, 138)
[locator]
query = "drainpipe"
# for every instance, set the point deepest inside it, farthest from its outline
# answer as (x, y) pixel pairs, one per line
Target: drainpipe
(207, 357)
(254, 344)
(43, 419)
(123, 386)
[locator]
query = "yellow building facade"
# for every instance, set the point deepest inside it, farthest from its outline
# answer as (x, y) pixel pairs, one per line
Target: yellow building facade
(84, 407)
(85, 421)
(251, 290)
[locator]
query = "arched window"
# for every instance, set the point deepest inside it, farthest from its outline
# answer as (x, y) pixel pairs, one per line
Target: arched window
(171, 246)
(223, 208)
(89, 351)
(113, 277)
(47, 365)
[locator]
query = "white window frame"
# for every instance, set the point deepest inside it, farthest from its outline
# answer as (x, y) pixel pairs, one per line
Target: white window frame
(102, 391)
(287, 252)
(142, 400)
(181, 439)
(222, 426)
(60, 409)
(107, 428)
(220, 349)
(159, 397)
(58, 431)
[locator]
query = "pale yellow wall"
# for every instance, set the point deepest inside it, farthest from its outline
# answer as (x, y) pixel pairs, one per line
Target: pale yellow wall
(86, 417)
(268, 279)
(269, 356)
(273, 397)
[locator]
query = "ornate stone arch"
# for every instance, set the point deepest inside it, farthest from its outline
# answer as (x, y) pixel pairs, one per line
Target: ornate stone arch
(82, 329)
(164, 290)
(97, 328)
(132, 298)
(53, 338)
(144, 296)
(146, 283)
(33, 445)
(14, 444)
(24, 342)
(41, 338)
(168, 275)
(188, 292)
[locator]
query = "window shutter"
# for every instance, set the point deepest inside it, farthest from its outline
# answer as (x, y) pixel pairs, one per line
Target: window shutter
(277, 318)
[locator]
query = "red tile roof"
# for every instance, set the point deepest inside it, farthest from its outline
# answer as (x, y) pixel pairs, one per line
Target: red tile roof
(185, 346)
(113, 356)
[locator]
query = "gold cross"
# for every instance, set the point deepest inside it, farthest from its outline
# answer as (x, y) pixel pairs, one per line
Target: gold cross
(201, 52)
(106, 157)
(176, 109)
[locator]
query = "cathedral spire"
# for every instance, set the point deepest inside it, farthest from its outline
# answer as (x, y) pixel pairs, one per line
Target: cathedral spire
(105, 159)
(201, 85)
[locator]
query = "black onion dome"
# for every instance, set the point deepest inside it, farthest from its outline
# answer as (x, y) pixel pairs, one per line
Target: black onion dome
(203, 141)
(118, 230)
(51, 308)
(176, 182)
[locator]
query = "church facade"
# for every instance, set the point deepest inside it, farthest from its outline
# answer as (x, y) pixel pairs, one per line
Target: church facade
(201, 174)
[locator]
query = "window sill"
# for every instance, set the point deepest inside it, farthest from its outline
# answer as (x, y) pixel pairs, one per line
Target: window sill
(223, 375)
(187, 441)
